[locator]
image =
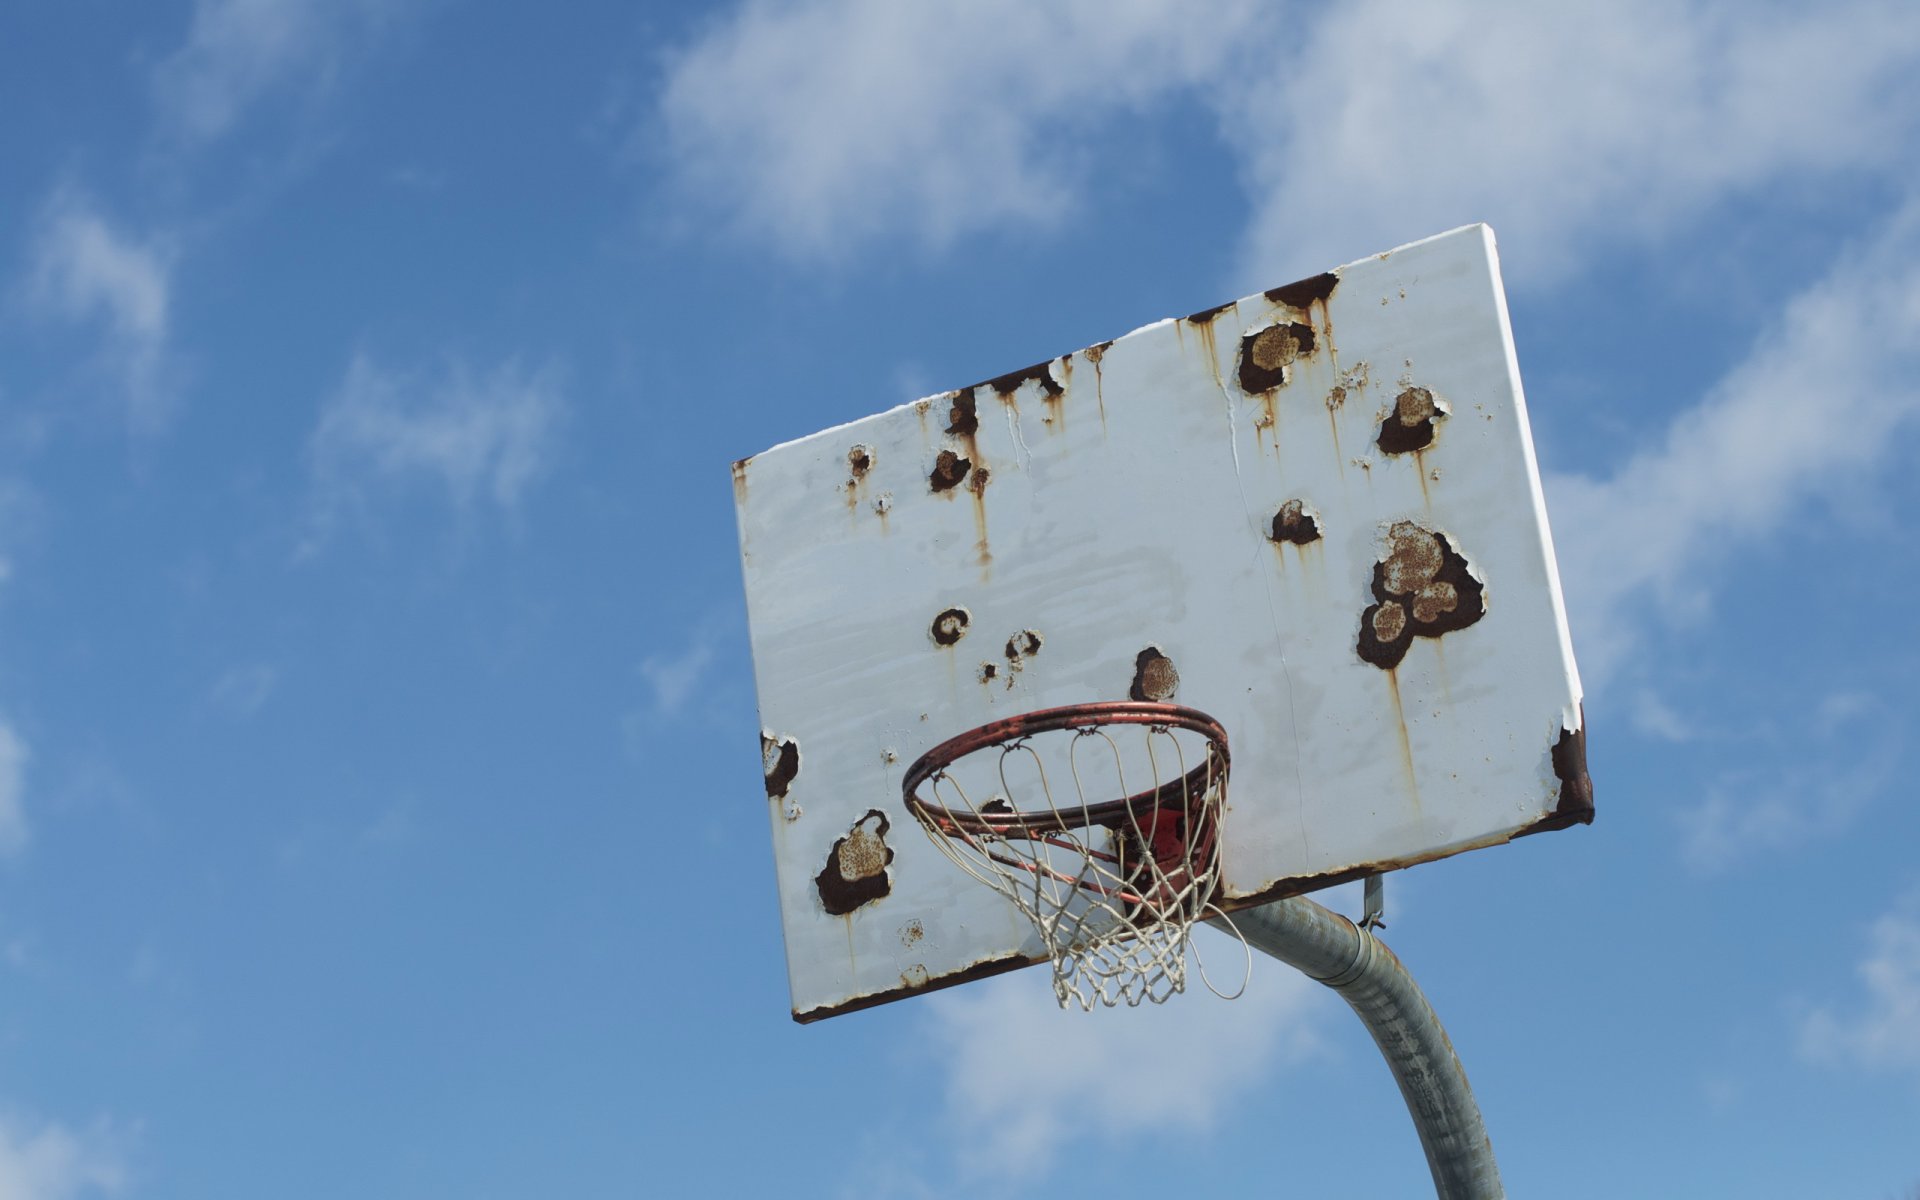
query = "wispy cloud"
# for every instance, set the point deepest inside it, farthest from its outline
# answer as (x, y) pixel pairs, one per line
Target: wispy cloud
(1758, 810)
(13, 807)
(237, 52)
(1567, 126)
(478, 437)
(85, 269)
(1027, 1082)
(242, 690)
(808, 128)
(1647, 539)
(52, 1162)
(674, 677)
(1883, 1032)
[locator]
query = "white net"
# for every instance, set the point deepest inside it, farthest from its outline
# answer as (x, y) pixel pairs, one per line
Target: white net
(1105, 835)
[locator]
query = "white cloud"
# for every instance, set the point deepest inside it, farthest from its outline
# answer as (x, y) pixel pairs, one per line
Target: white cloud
(673, 678)
(1813, 408)
(478, 436)
(1026, 1080)
(1884, 1033)
(13, 809)
(85, 269)
(1567, 126)
(238, 51)
(52, 1162)
(1755, 811)
(818, 126)
(241, 691)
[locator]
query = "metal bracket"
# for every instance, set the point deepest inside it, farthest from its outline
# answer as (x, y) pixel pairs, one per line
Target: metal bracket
(1373, 905)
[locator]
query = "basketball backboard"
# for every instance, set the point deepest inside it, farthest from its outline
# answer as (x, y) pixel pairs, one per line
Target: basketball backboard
(1313, 514)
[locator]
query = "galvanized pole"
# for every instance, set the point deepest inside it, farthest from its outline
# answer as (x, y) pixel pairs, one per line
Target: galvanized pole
(1347, 958)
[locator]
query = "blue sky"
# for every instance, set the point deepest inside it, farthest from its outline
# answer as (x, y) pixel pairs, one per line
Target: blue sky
(379, 803)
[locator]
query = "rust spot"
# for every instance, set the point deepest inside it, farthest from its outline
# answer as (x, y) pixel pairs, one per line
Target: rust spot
(914, 977)
(950, 626)
(1575, 806)
(1389, 621)
(740, 481)
(781, 759)
(1154, 677)
(1295, 523)
(860, 460)
(912, 932)
(1266, 353)
(962, 416)
(978, 483)
(1040, 373)
(1023, 645)
(856, 870)
(989, 672)
(1306, 292)
(1206, 315)
(1410, 426)
(948, 470)
(1422, 586)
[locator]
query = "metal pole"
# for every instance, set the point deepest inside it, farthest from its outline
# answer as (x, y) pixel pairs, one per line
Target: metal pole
(1347, 958)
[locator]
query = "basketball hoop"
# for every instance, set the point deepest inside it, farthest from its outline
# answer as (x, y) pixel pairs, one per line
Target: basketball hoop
(1113, 886)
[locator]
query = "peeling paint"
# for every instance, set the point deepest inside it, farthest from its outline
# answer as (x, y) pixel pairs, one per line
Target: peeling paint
(781, 758)
(1411, 426)
(1154, 676)
(856, 871)
(1422, 586)
(1295, 523)
(948, 470)
(1265, 355)
(950, 626)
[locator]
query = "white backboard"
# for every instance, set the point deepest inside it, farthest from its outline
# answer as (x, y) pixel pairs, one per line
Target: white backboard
(1314, 514)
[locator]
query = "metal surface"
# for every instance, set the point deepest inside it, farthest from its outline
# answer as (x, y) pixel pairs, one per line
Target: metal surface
(1327, 947)
(1313, 513)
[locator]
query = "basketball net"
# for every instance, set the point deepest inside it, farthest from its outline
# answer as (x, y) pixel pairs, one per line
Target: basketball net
(1113, 887)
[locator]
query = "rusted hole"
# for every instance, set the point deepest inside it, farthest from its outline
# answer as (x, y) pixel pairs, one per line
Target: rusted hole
(856, 870)
(1422, 587)
(860, 460)
(781, 758)
(1023, 645)
(1153, 676)
(950, 626)
(1412, 423)
(962, 417)
(1040, 373)
(1266, 353)
(1306, 292)
(948, 470)
(989, 672)
(1295, 523)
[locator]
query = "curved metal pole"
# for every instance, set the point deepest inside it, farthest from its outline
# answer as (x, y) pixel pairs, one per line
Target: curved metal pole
(1347, 958)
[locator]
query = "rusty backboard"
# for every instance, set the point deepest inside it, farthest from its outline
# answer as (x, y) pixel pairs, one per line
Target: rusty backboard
(1313, 514)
